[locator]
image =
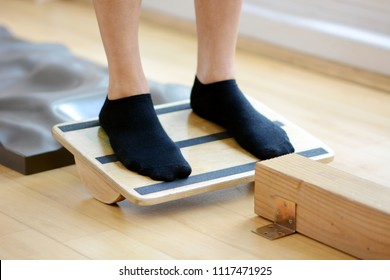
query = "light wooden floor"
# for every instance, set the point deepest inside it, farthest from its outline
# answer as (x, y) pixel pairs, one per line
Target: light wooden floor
(50, 215)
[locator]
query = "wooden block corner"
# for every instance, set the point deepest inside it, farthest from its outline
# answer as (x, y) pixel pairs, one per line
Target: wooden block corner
(334, 207)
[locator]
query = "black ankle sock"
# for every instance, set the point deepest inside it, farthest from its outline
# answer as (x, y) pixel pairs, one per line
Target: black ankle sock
(223, 103)
(139, 141)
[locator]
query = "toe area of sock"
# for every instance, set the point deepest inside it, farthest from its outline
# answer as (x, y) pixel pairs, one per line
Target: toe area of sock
(167, 173)
(277, 151)
(183, 171)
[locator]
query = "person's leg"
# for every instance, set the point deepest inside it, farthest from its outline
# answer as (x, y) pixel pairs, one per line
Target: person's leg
(215, 95)
(127, 116)
(118, 24)
(217, 28)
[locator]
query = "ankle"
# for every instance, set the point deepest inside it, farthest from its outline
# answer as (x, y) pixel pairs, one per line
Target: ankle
(208, 77)
(121, 90)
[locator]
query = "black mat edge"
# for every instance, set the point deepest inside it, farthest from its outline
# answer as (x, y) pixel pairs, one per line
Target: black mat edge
(29, 165)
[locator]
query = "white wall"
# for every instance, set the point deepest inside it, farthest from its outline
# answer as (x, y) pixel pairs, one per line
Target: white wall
(354, 32)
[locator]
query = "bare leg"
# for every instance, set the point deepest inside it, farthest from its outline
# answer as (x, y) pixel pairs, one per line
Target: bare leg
(215, 95)
(118, 24)
(127, 116)
(217, 26)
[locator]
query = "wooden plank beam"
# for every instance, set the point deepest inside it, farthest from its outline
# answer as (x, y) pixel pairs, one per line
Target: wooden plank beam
(333, 207)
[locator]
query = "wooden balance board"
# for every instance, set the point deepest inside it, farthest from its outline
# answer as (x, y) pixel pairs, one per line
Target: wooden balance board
(216, 159)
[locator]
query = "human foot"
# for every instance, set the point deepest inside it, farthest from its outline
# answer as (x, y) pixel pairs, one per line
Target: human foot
(224, 104)
(139, 141)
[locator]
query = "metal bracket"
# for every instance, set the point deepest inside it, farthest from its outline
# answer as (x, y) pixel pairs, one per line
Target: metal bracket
(285, 219)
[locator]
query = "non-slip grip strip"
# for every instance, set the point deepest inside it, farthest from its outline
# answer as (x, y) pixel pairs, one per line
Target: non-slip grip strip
(89, 124)
(313, 152)
(79, 126)
(208, 176)
(180, 144)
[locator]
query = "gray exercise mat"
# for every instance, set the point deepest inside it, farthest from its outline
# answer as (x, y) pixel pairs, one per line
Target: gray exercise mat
(45, 84)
